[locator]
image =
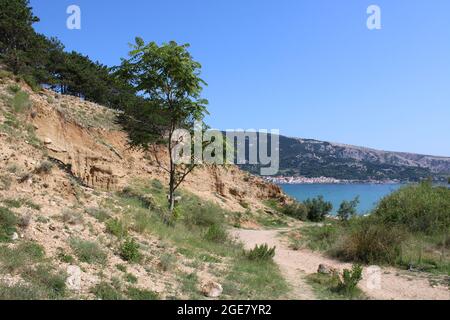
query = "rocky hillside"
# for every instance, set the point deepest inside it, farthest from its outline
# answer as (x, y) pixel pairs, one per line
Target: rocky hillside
(313, 158)
(80, 213)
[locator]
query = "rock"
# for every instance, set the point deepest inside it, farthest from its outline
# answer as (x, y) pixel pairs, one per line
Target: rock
(326, 269)
(47, 141)
(211, 289)
(73, 281)
(52, 227)
(14, 236)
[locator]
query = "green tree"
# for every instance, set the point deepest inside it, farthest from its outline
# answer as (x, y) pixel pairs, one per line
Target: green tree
(348, 209)
(16, 32)
(169, 81)
(318, 208)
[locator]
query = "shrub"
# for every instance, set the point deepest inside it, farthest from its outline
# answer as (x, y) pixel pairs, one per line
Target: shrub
(14, 88)
(5, 182)
(216, 233)
(131, 278)
(347, 209)
(45, 167)
(205, 215)
(419, 208)
(89, 252)
(261, 253)
(167, 261)
(370, 242)
(20, 102)
(99, 214)
(129, 250)
(116, 227)
(350, 279)
(105, 291)
(8, 223)
(318, 208)
(71, 217)
(296, 210)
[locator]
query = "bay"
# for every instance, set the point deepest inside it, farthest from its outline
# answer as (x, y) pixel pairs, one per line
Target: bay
(369, 194)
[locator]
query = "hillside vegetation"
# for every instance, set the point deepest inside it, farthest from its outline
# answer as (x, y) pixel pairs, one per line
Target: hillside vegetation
(409, 228)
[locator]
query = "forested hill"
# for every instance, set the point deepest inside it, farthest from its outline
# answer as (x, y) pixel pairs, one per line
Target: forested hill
(313, 158)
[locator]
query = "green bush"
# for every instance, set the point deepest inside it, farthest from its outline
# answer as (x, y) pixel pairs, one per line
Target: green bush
(204, 215)
(87, 251)
(348, 209)
(216, 233)
(20, 102)
(370, 242)
(105, 291)
(116, 227)
(419, 208)
(8, 223)
(296, 210)
(261, 253)
(129, 250)
(318, 208)
(350, 279)
(20, 292)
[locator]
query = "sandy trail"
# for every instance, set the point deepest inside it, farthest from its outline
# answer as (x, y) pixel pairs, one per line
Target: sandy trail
(295, 265)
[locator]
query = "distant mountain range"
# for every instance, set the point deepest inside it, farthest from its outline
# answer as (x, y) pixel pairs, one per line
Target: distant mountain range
(313, 158)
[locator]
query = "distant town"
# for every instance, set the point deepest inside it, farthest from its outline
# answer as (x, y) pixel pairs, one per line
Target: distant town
(324, 180)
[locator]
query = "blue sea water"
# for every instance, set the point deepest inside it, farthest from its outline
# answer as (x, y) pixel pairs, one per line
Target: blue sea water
(369, 194)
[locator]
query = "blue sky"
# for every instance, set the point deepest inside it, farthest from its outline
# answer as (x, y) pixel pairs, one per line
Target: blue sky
(310, 68)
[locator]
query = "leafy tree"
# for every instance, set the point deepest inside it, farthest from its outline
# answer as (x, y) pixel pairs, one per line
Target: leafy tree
(348, 209)
(318, 208)
(168, 79)
(16, 32)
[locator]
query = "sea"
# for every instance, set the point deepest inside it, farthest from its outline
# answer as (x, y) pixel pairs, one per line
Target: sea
(369, 194)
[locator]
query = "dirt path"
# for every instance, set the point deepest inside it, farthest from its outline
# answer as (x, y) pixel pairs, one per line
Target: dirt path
(295, 265)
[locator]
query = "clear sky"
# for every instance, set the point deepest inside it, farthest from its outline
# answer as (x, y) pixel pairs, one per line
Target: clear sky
(310, 68)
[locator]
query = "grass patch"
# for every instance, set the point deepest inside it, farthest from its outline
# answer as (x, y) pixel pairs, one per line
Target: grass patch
(21, 256)
(8, 223)
(87, 251)
(105, 291)
(141, 294)
(326, 286)
(249, 279)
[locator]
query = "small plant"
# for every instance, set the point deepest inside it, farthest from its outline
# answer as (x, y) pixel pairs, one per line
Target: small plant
(121, 267)
(261, 253)
(167, 261)
(129, 277)
(71, 217)
(13, 88)
(117, 228)
(64, 257)
(45, 167)
(89, 252)
(129, 250)
(350, 279)
(216, 233)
